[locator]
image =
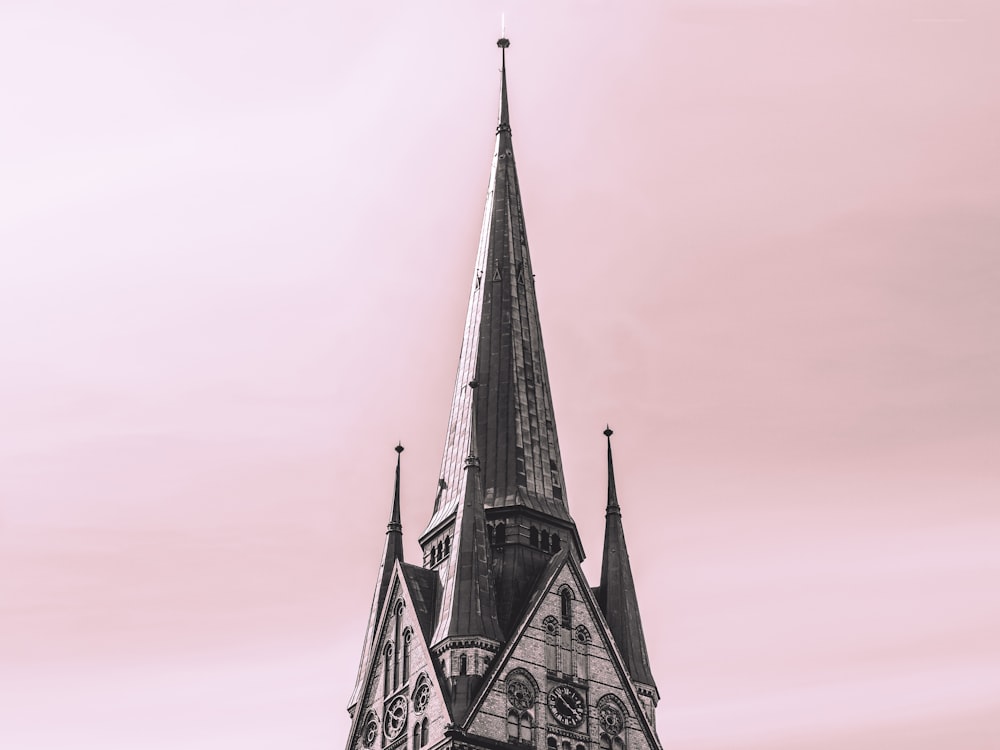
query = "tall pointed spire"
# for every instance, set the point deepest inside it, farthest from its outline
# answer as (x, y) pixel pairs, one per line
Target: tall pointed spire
(616, 595)
(521, 466)
(392, 552)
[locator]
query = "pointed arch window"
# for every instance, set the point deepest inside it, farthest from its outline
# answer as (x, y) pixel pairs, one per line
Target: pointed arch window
(416, 736)
(513, 723)
(566, 595)
(525, 735)
(605, 742)
(387, 669)
(500, 535)
(545, 541)
(533, 536)
(551, 626)
(396, 656)
(581, 647)
(447, 546)
(424, 734)
(463, 664)
(556, 545)
(407, 638)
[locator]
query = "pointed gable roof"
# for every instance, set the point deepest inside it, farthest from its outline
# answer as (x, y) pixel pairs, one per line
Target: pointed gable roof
(546, 583)
(392, 552)
(416, 587)
(502, 350)
(616, 594)
(468, 607)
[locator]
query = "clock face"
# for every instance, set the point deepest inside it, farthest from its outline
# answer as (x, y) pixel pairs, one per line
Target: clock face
(520, 693)
(612, 720)
(421, 696)
(395, 717)
(567, 706)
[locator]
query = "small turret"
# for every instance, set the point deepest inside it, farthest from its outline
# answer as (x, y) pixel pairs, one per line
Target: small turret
(393, 551)
(616, 595)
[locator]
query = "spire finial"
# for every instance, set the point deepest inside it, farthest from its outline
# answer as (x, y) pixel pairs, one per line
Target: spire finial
(395, 524)
(503, 43)
(613, 506)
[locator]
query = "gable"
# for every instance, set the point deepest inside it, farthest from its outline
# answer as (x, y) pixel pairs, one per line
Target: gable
(560, 683)
(402, 704)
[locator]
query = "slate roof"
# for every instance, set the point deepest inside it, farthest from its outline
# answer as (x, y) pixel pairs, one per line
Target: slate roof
(423, 586)
(502, 350)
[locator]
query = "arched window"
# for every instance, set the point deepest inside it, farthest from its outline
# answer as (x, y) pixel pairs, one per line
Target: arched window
(433, 555)
(447, 545)
(580, 747)
(499, 535)
(567, 607)
(387, 686)
(605, 742)
(423, 731)
(440, 547)
(551, 646)
(545, 541)
(416, 736)
(617, 744)
(566, 745)
(512, 725)
(533, 537)
(580, 668)
(463, 664)
(551, 743)
(398, 625)
(525, 727)
(556, 546)
(407, 637)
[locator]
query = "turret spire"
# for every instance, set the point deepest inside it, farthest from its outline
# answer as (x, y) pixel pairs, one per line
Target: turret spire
(392, 552)
(468, 608)
(616, 595)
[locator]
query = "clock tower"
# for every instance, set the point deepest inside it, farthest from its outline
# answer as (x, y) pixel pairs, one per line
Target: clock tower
(494, 639)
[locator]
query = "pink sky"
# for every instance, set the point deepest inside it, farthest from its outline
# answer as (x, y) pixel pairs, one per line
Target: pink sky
(236, 242)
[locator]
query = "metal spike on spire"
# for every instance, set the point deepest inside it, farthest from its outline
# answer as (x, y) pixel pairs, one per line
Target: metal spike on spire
(394, 519)
(504, 125)
(613, 506)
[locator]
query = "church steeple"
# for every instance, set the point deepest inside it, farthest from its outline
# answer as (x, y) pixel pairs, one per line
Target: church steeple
(497, 639)
(616, 595)
(516, 442)
(392, 552)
